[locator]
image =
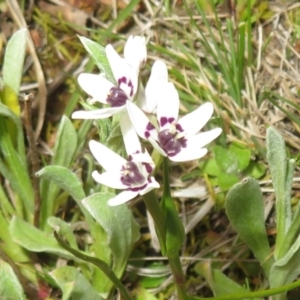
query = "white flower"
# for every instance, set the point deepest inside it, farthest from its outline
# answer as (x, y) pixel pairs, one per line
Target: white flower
(152, 95)
(125, 71)
(135, 52)
(132, 175)
(179, 140)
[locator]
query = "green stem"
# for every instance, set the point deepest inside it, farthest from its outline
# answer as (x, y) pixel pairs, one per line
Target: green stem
(174, 260)
(179, 278)
(251, 295)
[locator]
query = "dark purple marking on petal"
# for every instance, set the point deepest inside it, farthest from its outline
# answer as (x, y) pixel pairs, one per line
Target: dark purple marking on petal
(163, 121)
(125, 80)
(148, 167)
(136, 189)
(150, 126)
(179, 128)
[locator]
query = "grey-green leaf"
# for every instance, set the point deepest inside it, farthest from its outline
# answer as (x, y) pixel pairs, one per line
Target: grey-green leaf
(118, 223)
(73, 284)
(218, 282)
(65, 179)
(277, 160)
(64, 229)
(10, 287)
(97, 53)
(245, 210)
(286, 269)
(14, 60)
(34, 239)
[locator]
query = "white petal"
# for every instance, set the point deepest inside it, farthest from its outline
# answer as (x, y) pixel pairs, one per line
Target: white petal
(143, 157)
(96, 86)
(97, 113)
(150, 186)
(111, 179)
(203, 138)
(141, 98)
(194, 121)
(121, 69)
(131, 140)
(158, 78)
(168, 107)
(139, 120)
(108, 159)
(135, 52)
(121, 198)
(187, 154)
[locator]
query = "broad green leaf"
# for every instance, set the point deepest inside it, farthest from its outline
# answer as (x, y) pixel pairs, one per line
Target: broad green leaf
(73, 284)
(256, 169)
(64, 230)
(117, 221)
(97, 53)
(218, 282)
(10, 287)
(277, 160)
(34, 239)
(65, 179)
(245, 210)
(226, 181)
(286, 269)
(211, 168)
(12, 69)
(232, 160)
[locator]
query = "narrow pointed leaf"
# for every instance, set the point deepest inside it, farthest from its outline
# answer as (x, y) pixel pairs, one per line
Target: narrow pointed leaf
(13, 69)
(98, 55)
(286, 269)
(277, 160)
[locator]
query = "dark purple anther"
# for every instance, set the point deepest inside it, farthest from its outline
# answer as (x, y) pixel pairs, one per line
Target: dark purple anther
(132, 175)
(170, 143)
(116, 97)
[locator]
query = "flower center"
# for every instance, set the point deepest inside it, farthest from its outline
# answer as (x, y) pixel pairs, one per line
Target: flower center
(131, 176)
(171, 141)
(116, 97)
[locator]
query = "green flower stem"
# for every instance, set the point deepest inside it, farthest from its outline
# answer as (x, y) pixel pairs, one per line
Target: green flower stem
(251, 295)
(160, 220)
(173, 257)
(179, 278)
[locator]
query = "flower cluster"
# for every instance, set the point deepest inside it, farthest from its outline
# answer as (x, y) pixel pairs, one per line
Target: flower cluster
(177, 138)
